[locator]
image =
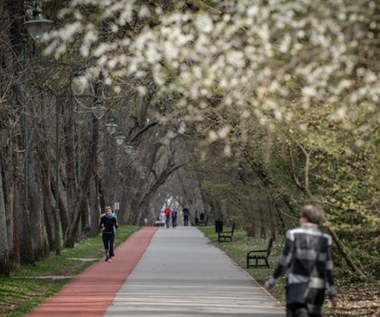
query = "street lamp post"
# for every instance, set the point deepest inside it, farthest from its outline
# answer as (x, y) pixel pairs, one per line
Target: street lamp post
(37, 27)
(79, 88)
(109, 163)
(25, 123)
(119, 141)
(83, 94)
(119, 138)
(57, 157)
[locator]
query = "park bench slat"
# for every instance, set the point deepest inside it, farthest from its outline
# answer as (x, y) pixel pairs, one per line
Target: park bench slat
(255, 256)
(225, 236)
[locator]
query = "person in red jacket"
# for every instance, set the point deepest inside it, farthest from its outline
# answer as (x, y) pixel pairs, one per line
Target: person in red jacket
(167, 215)
(107, 224)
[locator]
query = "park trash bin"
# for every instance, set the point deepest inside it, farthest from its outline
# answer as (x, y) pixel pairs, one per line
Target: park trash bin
(218, 225)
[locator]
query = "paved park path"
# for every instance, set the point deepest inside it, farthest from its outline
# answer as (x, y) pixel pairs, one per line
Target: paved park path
(178, 273)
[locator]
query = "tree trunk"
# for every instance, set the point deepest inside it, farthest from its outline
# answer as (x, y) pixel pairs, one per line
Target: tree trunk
(71, 173)
(4, 252)
(341, 249)
(14, 232)
(84, 186)
(48, 191)
(13, 205)
(272, 218)
(26, 242)
(94, 214)
(49, 223)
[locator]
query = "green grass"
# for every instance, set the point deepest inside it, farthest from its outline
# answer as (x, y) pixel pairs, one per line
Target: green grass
(21, 292)
(240, 246)
(18, 296)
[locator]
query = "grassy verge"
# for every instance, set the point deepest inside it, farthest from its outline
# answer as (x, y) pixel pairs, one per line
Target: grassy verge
(25, 289)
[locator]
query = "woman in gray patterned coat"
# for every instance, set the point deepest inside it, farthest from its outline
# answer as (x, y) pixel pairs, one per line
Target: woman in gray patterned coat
(306, 258)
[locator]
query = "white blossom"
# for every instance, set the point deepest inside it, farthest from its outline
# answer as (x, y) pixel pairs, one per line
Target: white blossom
(204, 23)
(212, 136)
(269, 60)
(309, 91)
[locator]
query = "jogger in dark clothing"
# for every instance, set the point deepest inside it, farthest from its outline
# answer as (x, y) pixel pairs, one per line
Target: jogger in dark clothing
(107, 224)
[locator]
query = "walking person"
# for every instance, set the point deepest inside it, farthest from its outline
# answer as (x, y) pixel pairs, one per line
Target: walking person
(157, 223)
(307, 259)
(108, 224)
(162, 218)
(186, 214)
(174, 218)
(167, 217)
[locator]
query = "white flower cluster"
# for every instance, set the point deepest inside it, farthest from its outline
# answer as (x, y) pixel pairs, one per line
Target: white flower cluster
(266, 59)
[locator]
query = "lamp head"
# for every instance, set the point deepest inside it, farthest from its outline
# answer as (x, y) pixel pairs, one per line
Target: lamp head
(79, 84)
(120, 139)
(98, 110)
(38, 25)
(111, 126)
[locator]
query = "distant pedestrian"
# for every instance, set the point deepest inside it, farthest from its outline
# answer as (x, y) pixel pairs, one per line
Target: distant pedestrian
(174, 218)
(306, 258)
(186, 215)
(162, 218)
(107, 224)
(167, 217)
(157, 223)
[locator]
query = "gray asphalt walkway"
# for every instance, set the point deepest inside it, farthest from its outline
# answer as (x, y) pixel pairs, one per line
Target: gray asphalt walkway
(182, 274)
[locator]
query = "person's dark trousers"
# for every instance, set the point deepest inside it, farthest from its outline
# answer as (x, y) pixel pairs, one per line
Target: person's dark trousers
(108, 241)
(297, 310)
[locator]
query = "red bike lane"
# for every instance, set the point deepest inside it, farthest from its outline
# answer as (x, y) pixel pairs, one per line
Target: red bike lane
(90, 293)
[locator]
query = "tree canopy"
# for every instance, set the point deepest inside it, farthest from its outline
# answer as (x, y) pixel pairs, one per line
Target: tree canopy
(244, 109)
(276, 60)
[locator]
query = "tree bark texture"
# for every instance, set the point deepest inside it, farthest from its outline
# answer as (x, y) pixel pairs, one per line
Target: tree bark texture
(4, 251)
(84, 186)
(72, 173)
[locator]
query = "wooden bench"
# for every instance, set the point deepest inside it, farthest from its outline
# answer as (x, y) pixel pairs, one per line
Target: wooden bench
(223, 236)
(259, 255)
